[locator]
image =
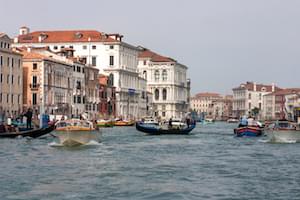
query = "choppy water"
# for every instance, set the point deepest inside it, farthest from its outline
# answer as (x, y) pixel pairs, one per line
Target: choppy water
(209, 164)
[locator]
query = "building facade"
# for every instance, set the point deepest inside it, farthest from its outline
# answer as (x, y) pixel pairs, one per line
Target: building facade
(105, 52)
(107, 93)
(249, 97)
(167, 81)
(11, 80)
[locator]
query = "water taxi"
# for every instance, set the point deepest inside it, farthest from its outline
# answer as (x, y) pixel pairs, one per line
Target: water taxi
(75, 132)
(105, 123)
(284, 131)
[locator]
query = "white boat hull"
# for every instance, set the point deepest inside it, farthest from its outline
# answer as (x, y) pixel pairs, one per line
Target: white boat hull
(284, 135)
(75, 138)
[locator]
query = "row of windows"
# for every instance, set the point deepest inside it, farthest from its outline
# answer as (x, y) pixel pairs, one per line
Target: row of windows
(164, 94)
(157, 75)
(10, 61)
(83, 47)
(94, 60)
(78, 99)
(11, 98)
(4, 45)
(9, 78)
(78, 69)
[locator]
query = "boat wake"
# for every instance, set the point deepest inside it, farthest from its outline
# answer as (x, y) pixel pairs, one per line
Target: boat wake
(278, 141)
(89, 144)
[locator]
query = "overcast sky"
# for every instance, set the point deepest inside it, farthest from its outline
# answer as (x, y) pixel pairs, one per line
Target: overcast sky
(223, 42)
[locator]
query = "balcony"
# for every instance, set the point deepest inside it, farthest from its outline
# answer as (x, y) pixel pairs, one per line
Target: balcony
(34, 86)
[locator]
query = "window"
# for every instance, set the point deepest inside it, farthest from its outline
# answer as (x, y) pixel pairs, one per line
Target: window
(111, 60)
(7, 61)
(7, 81)
(7, 98)
(145, 62)
(74, 68)
(78, 69)
(249, 105)
(0, 97)
(164, 94)
(1, 78)
(34, 99)
(74, 98)
(12, 62)
(84, 47)
(34, 66)
(156, 93)
(163, 114)
(1, 44)
(1, 61)
(19, 63)
(164, 75)
(83, 59)
(156, 75)
(94, 61)
(12, 79)
(111, 46)
(145, 74)
(34, 81)
(12, 98)
(259, 106)
(55, 47)
(62, 47)
(71, 47)
(79, 99)
(249, 96)
(18, 99)
(94, 47)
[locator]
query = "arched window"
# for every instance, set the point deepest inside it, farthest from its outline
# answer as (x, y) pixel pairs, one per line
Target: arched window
(111, 80)
(164, 75)
(164, 93)
(145, 74)
(156, 75)
(156, 93)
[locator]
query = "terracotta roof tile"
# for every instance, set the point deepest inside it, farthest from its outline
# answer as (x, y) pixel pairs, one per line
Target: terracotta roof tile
(154, 57)
(65, 36)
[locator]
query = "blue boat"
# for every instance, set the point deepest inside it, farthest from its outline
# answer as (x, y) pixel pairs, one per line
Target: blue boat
(250, 131)
(157, 130)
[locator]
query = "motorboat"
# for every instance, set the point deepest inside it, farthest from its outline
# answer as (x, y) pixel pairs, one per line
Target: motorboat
(124, 123)
(250, 131)
(163, 129)
(76, 132)
(150, 121)
(283, 131)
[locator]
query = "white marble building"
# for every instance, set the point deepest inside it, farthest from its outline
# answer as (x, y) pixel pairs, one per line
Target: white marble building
(107, 52)
(167, 81)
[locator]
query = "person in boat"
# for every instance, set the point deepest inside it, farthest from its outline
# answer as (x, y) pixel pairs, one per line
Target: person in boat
(251, 121)
(170, 123)
(243, 122)
(188, 122)
(28, 115)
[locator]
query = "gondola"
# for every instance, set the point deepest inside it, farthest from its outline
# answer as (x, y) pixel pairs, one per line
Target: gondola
(34, 133)
(156, 130)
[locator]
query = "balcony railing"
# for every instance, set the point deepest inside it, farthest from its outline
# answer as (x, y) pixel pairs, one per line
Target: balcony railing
(34, 86)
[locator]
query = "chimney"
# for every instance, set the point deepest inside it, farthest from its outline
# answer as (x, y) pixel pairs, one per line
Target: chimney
(29, 49)
(254, 87)
(16, 40)
(273, 87)
(24, 30)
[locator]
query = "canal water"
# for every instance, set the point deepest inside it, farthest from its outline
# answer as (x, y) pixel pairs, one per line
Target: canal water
(208, 164)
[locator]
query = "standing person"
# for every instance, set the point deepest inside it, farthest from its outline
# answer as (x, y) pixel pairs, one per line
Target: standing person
(28, 115)
(170, 123)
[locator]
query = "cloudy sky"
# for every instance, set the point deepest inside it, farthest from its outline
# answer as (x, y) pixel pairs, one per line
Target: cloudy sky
(223, 42)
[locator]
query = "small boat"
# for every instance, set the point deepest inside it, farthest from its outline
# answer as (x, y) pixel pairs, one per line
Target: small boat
(251, 131)
(105, 123)
(284, 131)
(76, 132)
(33, 133)
(150, 121)
(232, 120)
(124, 123)
(159, 130)
(208, 121)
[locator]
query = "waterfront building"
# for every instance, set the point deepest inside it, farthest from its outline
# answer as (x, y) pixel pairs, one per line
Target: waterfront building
(212, 105)
(282, 104)
(11, 79)
(167, 81)
(105, 52)
(248, 97)
(47, 84)
(107, 93)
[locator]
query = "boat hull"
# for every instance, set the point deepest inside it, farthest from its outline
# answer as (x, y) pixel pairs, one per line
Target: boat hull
(76, 138)
(34, 133)
(248, 131)
(122, 123)
(156, 130)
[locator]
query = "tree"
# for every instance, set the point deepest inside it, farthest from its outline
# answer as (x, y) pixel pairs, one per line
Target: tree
(255, 111)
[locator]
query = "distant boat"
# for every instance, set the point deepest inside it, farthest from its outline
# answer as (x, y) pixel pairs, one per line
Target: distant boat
(250, 131)
(33, 133)
(232, 120)
(284, 131)
(159, 130)
(208, 121)
(76, 132)
(124, 123)
(105, 123)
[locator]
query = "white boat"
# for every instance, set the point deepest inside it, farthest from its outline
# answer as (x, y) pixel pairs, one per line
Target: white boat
(149, 121)
(284, 131)
(76, 132)
(232, 120)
